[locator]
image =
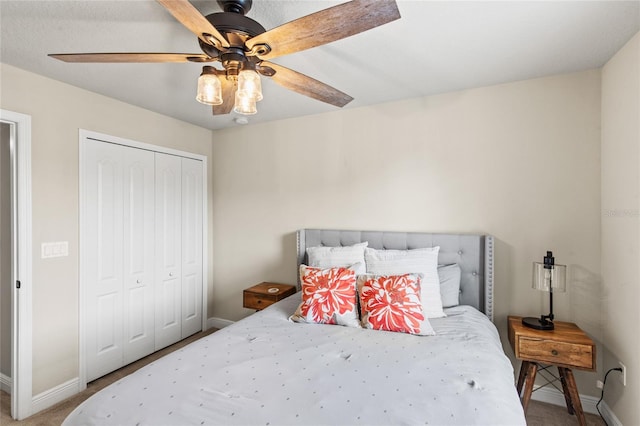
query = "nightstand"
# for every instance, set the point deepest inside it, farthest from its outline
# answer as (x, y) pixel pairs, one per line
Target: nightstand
(565, 347)
(264, 294)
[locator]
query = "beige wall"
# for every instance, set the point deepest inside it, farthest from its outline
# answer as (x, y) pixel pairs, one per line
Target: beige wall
(621, 226)
(5, 251)
(58, 110)
(520, 161)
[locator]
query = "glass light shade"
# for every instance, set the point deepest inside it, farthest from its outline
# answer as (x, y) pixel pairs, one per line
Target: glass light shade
(549, 277)
(245, 105)
(209, 89)
(249, 85)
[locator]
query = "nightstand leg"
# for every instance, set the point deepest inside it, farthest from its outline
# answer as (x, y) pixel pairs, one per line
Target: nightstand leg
(522, 376)
(565, 390)
(532, 369)
(575, 396)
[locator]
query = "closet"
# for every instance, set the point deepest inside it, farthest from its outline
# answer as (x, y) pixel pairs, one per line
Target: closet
(142, 257)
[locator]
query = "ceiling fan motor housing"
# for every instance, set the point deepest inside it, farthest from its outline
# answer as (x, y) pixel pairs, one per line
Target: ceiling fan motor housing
(237, 29)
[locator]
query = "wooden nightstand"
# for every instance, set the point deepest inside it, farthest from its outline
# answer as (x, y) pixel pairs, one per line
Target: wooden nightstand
(264, 294)
(565, 347)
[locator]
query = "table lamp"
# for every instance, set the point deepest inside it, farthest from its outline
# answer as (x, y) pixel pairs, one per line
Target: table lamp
(547, 276)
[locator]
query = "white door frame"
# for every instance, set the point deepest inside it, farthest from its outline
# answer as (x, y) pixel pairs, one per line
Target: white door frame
(87, 134)
(21, 298)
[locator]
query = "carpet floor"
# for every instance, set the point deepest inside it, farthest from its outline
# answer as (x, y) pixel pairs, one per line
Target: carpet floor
(538, 414)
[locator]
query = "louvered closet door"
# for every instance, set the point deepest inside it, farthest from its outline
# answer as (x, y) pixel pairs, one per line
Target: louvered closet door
(168, 250)
(102, 257)
(192, 172)
(138, 253)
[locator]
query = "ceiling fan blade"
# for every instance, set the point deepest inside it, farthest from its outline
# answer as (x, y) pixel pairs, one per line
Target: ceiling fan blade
(131, 57)
(228, 97)
(326, 26)
(191, 18)
(307, 86)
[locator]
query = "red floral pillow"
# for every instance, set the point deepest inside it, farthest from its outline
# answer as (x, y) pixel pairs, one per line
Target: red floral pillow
(328, 297)
(392, 303)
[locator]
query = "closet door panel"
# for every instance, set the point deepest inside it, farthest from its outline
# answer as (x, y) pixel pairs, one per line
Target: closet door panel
(192, 174)
(138, 253)
(168, 249)
(102, 244)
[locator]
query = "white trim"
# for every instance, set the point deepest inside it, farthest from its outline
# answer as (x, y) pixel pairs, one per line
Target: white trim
(218, 323)
(608, 415)
(21, 300)
(88, 134)
(555, 397)
(56, 394)
(135, 144)
(5, 383)
(205, 242)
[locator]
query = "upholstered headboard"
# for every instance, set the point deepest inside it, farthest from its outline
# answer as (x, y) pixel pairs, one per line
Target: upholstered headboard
(472, 252)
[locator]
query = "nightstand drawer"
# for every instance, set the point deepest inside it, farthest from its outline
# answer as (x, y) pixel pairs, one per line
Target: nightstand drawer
(552, 352)
(257, 301)
(265, 294)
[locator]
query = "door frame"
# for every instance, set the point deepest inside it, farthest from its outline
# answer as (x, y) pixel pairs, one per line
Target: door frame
(101, 137)
(21, 270)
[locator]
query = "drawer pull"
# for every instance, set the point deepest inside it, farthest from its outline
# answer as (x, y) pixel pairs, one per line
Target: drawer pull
(554, 352)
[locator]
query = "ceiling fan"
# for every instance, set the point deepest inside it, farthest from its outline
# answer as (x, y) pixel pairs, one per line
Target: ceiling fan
(242, 46)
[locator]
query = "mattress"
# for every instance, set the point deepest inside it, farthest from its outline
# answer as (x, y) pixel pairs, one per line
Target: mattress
(267, 370)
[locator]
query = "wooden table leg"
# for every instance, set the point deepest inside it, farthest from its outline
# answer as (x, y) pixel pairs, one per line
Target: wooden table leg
(565, 390)
(532, 369)
(522, 376)
(575, 396)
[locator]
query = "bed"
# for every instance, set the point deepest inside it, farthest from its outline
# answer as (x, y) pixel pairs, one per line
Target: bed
(269, 370)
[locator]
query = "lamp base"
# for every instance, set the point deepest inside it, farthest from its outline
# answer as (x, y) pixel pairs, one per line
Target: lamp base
(537, 323)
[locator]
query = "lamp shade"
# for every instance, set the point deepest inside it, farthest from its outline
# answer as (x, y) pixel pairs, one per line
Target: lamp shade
(249, 85)
(549, 277)
(209, 87)
(245, 105)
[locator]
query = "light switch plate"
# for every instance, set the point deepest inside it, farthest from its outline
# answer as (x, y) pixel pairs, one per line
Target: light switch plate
(55, 249)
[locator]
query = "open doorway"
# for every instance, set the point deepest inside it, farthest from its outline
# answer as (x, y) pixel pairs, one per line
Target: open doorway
(15, 261)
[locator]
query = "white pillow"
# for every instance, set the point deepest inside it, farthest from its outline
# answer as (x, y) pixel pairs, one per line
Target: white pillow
(449, 276)
(338, 257)
(418, 261)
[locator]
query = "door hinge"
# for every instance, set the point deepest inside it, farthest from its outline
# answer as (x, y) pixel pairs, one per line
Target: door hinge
(18, 284)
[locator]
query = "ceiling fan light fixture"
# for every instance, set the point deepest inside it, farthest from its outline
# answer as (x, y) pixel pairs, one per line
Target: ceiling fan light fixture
(244, 105)
(209, 87)
(249, 85)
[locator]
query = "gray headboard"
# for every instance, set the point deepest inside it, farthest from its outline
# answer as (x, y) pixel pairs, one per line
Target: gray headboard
(472, 252)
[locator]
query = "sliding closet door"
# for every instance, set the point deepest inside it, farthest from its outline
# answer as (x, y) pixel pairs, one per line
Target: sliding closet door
(192, 173)
(168, 287)
(102, 256)
(138, 253)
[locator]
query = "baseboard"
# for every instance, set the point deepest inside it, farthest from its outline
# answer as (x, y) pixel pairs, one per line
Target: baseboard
(218, 322)
(5, 383)
(608, 415)
(555, 397)
(54, 395)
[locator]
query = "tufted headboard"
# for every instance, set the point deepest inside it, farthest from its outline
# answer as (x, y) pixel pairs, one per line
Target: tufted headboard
(472, 252)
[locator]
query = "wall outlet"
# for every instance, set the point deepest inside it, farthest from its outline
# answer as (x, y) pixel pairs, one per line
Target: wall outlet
(599, 384)
(623, 374)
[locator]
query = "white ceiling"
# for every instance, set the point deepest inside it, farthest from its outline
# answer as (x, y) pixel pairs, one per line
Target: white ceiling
(436, 47)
